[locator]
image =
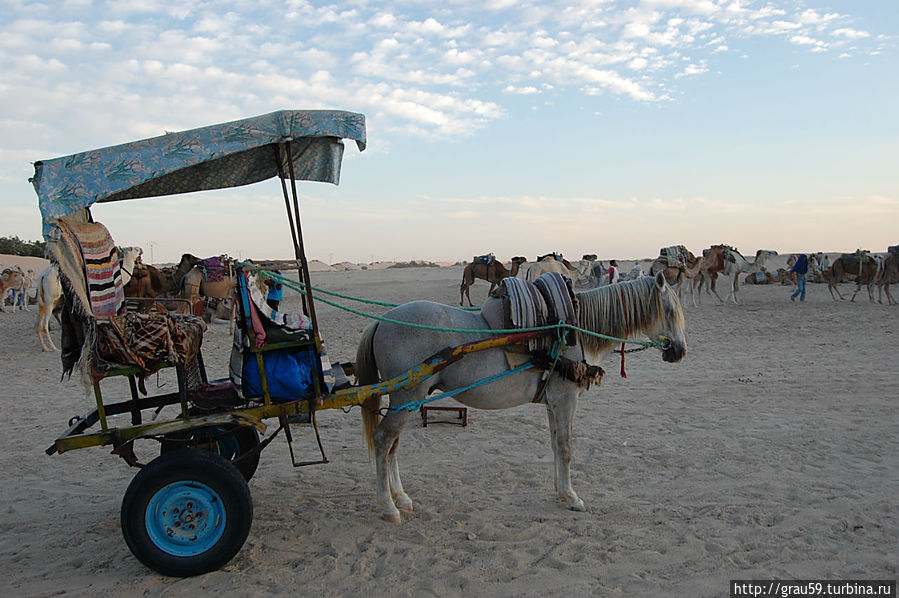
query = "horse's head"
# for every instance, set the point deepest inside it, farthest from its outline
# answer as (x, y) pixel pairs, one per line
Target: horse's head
(669, 327)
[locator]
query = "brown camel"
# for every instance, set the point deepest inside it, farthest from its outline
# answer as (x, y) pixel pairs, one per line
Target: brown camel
(674, 274)
(861, 265)
(191, 279)
(492, 273)
(13, 278)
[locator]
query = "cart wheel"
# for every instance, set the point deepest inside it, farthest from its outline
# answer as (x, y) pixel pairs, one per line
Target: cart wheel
(188, 512)
(229, 442)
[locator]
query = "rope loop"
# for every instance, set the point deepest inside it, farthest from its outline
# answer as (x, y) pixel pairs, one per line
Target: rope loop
(559, 328)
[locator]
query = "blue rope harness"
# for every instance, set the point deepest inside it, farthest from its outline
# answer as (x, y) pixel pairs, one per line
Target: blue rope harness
(416, 405)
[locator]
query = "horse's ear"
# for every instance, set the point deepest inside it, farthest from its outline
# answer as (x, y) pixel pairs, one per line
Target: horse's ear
(660, 280)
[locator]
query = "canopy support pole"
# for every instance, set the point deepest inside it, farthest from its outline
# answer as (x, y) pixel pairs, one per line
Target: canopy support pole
(296, 231)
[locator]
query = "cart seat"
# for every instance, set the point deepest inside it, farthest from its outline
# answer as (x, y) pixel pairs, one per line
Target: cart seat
(274, 356)
(98, 333)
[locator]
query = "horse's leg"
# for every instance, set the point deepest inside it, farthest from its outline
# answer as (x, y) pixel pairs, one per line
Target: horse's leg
(560, 411)
(399, 496)
(386, 441)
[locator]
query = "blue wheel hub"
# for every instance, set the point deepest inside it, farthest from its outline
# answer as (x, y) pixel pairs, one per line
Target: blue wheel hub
(185, 518)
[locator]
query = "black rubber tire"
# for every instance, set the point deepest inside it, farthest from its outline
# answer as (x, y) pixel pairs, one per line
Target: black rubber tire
(169, 478)
(235, 441)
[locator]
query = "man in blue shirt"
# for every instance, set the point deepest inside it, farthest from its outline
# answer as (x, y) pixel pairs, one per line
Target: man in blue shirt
(801, 270)
(275, 292)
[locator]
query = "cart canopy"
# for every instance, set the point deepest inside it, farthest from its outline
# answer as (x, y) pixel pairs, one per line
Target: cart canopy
(214, 157)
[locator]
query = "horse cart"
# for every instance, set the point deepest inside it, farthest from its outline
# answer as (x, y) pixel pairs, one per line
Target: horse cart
(189, 509)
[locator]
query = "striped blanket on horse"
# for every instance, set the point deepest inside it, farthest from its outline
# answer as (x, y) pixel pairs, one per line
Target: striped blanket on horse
(549, 300)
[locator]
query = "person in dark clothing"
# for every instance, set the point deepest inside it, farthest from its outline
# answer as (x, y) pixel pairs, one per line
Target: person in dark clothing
(801, 270)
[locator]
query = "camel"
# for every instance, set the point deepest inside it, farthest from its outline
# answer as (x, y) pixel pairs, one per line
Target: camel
(492, 272)
(49, 293)
(860, 264)
(17, 281)
(533, 270)
(726, 260)
(583, 271)
(889, 275)
(49, 302)
(12, 279)
(675, 273)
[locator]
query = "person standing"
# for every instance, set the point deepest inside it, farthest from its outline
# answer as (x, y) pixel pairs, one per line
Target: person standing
(614, 274)
(275, 292)
(801, 270)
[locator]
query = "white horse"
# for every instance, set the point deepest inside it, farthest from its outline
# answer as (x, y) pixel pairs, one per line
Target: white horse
(49, 295)
(647, 306)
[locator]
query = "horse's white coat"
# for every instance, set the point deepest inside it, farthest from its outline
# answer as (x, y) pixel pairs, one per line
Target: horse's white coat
(392, 349)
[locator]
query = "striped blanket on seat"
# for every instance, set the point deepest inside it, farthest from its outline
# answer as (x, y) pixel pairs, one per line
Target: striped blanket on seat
(89, 261)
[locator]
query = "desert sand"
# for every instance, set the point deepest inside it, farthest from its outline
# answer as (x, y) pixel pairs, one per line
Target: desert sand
(769, 452)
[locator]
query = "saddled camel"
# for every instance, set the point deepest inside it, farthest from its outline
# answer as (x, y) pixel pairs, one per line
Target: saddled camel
(150, 282)
(49, 294)
(582, 271)
(860, 265)
(193, 283)
(532, 270)
(676, 273)
(492, 273)
(726, 260)
(889, 275)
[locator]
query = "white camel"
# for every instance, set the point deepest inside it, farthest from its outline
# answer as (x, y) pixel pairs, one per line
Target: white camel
(531, 271)
(727, 261)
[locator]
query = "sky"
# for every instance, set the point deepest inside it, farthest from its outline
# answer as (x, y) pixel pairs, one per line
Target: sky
(513, 127)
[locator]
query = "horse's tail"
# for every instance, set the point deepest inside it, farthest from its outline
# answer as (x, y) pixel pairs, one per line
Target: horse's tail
(367, 373)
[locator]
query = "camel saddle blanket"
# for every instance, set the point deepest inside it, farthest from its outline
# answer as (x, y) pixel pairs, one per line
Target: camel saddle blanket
(673, 256)
(147, 341)
(851, 260)
(483, 259)
(213, 269)
(893, 249)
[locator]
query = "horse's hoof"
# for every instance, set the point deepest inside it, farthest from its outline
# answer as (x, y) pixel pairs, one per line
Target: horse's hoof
(392, 518)
(578, 506)
(405, 507)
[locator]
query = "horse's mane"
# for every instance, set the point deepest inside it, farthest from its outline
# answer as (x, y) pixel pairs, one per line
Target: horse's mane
(618, 310)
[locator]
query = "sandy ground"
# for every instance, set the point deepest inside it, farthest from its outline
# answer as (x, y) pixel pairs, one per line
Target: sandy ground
(769, 452)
